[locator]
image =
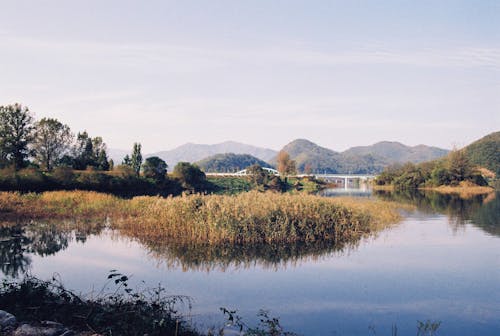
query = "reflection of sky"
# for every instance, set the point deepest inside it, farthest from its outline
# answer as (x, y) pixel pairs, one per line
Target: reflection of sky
(421, 269)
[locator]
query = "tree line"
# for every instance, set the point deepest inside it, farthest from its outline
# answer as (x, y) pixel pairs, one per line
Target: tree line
(450, 171)
(38, 155)
(43, 154)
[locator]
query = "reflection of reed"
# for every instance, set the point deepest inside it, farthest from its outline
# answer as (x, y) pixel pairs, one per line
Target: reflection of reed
(205, 257)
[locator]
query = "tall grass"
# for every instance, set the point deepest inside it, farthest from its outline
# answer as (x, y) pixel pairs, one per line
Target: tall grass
(251, 217)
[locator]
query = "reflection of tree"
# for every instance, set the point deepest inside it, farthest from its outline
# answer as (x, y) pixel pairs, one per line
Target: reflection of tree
(221, 257)
(482, 210)
(17, 241)
(488, 216)
(13, 246)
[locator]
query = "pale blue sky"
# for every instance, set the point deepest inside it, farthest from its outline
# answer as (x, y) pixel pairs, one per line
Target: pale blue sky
(340, 73)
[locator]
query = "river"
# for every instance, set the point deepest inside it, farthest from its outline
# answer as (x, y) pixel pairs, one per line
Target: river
(441, 263)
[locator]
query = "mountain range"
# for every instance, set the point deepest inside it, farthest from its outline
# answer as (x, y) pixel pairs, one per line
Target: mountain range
(308, 156)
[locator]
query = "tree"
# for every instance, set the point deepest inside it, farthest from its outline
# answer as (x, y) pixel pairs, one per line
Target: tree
(16, 133)
(83, 151)
(126, 161)
(258, 176)
(190, 176)
(90, 152)
(286, 166)
(136, 158)
(459, 166)
(155, 168)
(52, 141)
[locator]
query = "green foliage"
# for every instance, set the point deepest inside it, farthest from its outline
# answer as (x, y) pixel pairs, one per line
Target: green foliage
(458, 166)
(136, 158)
(262, 180)
(52, 140)
(190, 176)
(16, 134)
(90, 152)
(229, 184)
(411, 178)
(485, 152)
(155, 168)
(229, 163)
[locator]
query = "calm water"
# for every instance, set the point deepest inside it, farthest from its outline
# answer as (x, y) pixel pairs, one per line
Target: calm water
(441, 263)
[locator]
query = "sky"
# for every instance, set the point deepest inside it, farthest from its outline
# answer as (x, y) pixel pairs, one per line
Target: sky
(339, 73)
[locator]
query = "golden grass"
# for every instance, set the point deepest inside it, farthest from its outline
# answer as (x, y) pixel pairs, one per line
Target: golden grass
(465, 190)
(251, 217)
(383, 187)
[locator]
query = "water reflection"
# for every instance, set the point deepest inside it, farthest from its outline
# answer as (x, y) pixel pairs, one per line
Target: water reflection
(222, 257)
(19, 240)
(482, 211)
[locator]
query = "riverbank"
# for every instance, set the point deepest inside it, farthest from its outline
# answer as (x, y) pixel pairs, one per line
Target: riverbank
(463, 190)
(247, 218)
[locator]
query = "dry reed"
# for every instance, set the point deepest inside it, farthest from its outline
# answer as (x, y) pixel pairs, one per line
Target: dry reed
(251, 217)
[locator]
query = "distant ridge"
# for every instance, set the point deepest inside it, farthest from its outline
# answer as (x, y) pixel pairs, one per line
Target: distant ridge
(357, 160)
(191, 152)
(393, 152)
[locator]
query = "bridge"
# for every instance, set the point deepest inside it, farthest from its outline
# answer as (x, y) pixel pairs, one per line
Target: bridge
(243, 172)
(345, 179)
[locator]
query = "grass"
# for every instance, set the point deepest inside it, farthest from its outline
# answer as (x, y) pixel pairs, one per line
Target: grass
(247, 218)
(464, 190)
(123, 312)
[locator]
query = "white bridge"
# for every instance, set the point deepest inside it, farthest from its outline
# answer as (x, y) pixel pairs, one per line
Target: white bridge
(243, 172)
(344, 179)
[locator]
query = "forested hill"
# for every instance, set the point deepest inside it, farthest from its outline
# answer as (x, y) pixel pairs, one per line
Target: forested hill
(357, 160)
(229, 163)
(485, 152)
(392, 152)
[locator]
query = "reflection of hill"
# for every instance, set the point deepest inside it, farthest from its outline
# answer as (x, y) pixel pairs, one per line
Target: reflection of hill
(482, 211)
(17, 241)
(221, 257)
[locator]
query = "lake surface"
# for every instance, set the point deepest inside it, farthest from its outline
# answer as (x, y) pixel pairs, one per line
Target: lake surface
(441, 263)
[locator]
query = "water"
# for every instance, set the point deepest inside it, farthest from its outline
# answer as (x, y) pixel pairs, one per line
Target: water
(442, 263)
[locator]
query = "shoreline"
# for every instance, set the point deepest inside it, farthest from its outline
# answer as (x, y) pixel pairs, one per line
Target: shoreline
(460, 190)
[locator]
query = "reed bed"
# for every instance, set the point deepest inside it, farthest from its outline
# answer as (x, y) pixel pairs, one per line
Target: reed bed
(247, 218)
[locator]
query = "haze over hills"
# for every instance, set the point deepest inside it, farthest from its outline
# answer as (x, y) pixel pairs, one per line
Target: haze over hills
(362, 159)
(191, 152)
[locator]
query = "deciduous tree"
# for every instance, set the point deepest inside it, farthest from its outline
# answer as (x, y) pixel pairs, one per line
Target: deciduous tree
(136, 158)
(155, 168)
(286, 166)
(52, 141)
(16, 133)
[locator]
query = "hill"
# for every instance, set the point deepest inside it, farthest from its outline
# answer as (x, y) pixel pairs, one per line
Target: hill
(393, 152)
(307, 153)
(191, 152)
(357, 160)
(229, 162)
(485, 152)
